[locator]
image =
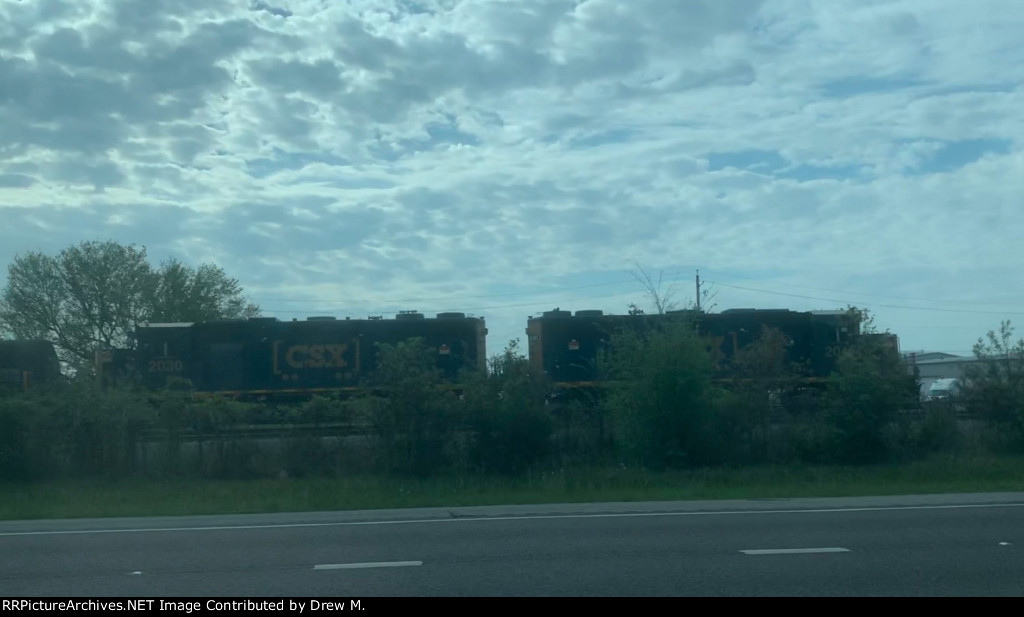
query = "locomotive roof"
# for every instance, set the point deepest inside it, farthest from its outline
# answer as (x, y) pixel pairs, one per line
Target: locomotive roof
(444, 316)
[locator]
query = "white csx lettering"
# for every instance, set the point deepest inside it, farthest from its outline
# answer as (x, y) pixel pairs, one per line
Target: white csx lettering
(316, 356)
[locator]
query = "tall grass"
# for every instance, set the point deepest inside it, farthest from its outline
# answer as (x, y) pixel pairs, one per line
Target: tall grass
(105, 498)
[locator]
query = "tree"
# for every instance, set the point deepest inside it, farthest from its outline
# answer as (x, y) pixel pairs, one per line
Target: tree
(994, 383)
(864, 318)
(662, 297)
(89, 296)
(95, 294)
(414, 423)
(184, 293)
(512, 428)
(510, 364)
(763, 380)
(655, 291)
(870, 387)
(661, 399)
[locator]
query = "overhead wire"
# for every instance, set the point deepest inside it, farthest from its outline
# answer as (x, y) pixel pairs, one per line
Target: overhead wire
(675, 280)
(859, 293)
(872, 304)
(467, 309)
(386, 301)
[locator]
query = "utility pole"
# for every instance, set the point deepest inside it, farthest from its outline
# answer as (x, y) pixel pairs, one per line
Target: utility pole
(698, 291)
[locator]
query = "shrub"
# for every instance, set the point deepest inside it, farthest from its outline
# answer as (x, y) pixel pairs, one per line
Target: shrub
(662, 403)
(867, 392)
(78, 430)
(510, 424)
(994, 383)
(415, 423)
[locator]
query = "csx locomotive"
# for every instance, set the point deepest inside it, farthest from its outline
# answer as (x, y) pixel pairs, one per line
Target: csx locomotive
(26, 364)
(565, 346)
(264, 355)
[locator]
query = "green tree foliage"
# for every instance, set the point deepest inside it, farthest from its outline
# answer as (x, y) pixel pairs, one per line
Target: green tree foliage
(870, 387)
(765, 362)
(184, 293)
(764, 378)
(663, 405)
(415, 421)
(77, 431)
(512, 426)
(95, 294)
(994, 384)
(89, 296)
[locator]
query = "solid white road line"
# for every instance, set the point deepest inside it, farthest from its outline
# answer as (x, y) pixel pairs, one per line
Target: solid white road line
(370, 564)
(793, 551)
(527, 517)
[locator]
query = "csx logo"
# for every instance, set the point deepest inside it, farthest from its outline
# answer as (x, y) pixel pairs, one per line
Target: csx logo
(316, 356)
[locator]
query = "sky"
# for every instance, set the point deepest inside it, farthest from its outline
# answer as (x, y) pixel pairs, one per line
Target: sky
(503, 158)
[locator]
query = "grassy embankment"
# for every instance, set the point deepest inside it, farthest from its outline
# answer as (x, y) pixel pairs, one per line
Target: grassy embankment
(93, 498)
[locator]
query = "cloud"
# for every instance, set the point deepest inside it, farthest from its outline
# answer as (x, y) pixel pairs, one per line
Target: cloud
(507, 156)
(19, 181)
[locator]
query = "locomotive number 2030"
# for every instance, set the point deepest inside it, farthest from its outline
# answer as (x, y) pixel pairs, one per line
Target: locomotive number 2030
(165, 365)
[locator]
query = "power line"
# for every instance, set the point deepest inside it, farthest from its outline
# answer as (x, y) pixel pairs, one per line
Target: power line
(448, 298)
(870, 295)
(541, 303)
(441, 310)
(891, 306)
(925, 327)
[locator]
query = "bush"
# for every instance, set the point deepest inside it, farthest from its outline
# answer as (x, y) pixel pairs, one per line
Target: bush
(994, 384)
(78, 430)
(764, 391)
(664, 408)
(581, 431)
(15, 433)
(939, 431)
(511, 425)
(870, 388)
(415, 424)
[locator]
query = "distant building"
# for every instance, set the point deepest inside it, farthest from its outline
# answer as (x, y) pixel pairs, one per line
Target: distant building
(927, 356)
(933, 366)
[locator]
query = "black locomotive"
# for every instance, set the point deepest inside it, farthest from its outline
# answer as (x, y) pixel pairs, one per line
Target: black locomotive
(565, 346)
(267, 356)
(25, 364)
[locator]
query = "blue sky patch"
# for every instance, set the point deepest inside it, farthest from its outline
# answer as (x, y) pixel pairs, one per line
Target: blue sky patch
(762, 161)
(854, 86)
(281, 161)
(806, 173)
(954, 155)
(604, 138)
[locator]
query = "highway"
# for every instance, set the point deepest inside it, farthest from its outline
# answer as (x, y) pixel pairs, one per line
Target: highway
(944, 545)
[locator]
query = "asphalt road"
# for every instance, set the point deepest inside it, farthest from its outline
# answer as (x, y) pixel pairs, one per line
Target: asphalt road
(948, 545)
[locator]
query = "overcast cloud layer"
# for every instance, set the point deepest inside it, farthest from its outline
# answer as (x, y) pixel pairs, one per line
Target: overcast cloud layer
(503, 158)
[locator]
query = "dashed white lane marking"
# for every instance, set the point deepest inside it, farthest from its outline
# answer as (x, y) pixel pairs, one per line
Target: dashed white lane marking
(793, 551)
(528, 517)
(370, 564)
